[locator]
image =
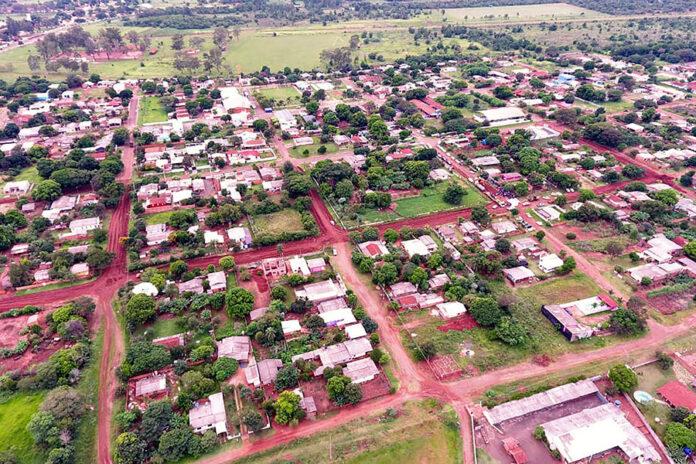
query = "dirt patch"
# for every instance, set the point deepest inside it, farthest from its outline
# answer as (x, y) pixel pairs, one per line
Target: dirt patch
(445, 367)
(379, 386)
(670, 304)
(463, 322)
(316, 388)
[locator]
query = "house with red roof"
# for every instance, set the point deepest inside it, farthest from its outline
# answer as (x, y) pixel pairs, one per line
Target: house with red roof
(678, 395)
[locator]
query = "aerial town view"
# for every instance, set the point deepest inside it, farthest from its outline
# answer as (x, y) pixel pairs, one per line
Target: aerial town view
(347, 231)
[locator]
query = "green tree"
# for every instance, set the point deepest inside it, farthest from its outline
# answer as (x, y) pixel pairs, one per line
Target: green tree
(287, 377)
(239, 302)
(510, 331)
(46, 190)
(287, 408)
(623, 378)
(129, 449)
(224, 368)
(139, 309)
(486, 311)
(227, 263)
(454, 193)
(342, 391)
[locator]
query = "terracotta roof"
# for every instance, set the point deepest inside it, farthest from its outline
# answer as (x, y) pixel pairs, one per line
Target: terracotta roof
(678, 395)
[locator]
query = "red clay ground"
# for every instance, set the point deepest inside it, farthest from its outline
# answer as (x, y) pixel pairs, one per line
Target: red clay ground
(463, 322)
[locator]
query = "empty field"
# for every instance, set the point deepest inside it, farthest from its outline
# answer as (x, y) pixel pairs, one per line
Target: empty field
(541, 12)
(15, 413)
(561, 290)
(287, 220)
(282, 96)
(151, 110)
(430, 201)
(313, 150)
(419, 434)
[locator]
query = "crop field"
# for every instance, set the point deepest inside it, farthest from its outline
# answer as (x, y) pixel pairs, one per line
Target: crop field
(287, 220)
(151, 110)
(541, 12)
(15, 413)
(419, 433)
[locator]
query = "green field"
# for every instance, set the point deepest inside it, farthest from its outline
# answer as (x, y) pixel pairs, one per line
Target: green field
(31, 174)
(287, 220)
(15, 413)
(85, 440)
(313, 150)
(157, 218)
(151, 110)
(419, 434)
(541, 12)
(430, 201)
(283, 96)
(161, 328)
(560, 290)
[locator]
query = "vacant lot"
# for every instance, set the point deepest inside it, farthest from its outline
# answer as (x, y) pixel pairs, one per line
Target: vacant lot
(283, 96)
(157, 218)
(313, 150)
(430, 201)
(560, 290)
(15, 413)
(151, 110)
(287, 220)
(419, 434)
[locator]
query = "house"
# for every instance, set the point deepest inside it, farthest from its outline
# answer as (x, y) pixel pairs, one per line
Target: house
(191, 286)
(591, 432)
(450, 309)
(19, 249)
(321, 291)
(501, 116)
(400, 289)
(438, 281)
(550, 262)
(156, 234)
(298, 265)
(263, 372)
(415, 247)
(145, 288)
(355, 331)
(361, 371)
(209, 414)
(240, 236)
(661, 249)
(290, 327)
(80, 270)
(42, 275)
(82, 226)
(504, 227)
(171, 341)
(213, 236)
(151, 386)
(678, 395)
(236, 347)
(518, 275)
(217, 281)
(562, 318)
(373, 249)
(316, 265)
(338, 317)
(340, 353)
(17, 188)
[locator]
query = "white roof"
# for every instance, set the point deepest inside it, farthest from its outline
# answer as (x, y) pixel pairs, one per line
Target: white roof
(501, 114)
(596, 430)
(145, 288)
(338, 317)
(209, 414)
(355, 331)
(550, 262)
(415, 247)
(451, 309)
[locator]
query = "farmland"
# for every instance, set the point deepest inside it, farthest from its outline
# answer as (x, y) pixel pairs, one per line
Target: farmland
(543, 12)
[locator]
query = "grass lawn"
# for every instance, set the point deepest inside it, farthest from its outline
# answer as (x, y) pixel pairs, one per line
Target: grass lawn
(162, 328)
(560, 290)
(418, 434)
(151, 110)
(31, 174)
(430, 201)
(283, 96)
(650, 378)
(55, 286)
(157, 218)
(15, 413)
(85, 440)
(312, 150)
(287, 220)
